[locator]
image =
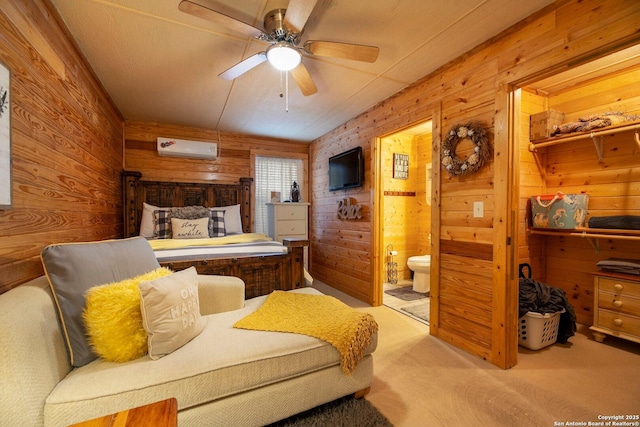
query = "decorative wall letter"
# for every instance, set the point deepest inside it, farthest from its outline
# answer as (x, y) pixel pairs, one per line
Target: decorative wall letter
(346, 210)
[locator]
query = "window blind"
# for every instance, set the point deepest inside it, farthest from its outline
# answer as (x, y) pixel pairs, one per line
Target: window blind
(273, 174)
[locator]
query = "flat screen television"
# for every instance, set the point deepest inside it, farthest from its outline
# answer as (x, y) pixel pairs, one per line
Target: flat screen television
(346, 170)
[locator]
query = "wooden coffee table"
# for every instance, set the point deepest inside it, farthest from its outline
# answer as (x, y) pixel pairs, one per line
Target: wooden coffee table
(158, 414)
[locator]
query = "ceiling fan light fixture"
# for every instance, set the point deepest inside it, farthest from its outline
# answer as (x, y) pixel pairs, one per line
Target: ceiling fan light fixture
(283, 56)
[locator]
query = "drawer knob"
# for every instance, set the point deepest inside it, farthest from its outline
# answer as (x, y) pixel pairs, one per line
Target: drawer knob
(617, 322)
(617, 303)
(618, 287)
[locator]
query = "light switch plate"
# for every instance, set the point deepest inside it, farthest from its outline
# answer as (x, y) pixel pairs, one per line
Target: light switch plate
(478, 209)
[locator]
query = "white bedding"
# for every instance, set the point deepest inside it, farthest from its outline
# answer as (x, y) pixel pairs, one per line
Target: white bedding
(247, 244)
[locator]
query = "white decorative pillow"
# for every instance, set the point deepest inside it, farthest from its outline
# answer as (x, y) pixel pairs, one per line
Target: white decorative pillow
(171, 311)
(232, 218)
(190, 228)
(146, 224)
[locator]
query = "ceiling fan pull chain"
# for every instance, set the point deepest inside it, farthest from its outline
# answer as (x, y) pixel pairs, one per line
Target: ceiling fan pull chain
(286, 91)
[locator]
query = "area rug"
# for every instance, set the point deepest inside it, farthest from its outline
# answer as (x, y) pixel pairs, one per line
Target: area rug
(420, 310)
(345, 412)
(406, 293)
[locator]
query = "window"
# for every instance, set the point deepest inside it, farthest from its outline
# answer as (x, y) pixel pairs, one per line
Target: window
(273, 174)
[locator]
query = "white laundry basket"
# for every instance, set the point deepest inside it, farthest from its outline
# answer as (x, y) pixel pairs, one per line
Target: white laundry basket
(536, 330)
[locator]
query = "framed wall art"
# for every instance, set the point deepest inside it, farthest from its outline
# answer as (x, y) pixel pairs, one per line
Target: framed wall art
(400, 166)
(5, 137)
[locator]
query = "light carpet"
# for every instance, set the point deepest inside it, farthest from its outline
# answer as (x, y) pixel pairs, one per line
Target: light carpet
(420, 380)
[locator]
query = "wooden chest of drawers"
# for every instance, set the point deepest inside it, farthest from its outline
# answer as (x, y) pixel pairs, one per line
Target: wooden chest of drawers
(616, 306)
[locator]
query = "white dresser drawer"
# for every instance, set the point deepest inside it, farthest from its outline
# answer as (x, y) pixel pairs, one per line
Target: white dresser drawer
(291, 211)
(290, 228)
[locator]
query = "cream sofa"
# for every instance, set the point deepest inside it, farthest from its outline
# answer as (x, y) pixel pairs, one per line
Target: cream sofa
(224, 376)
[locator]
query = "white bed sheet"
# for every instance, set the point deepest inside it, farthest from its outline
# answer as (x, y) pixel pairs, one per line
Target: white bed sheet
(222, 251)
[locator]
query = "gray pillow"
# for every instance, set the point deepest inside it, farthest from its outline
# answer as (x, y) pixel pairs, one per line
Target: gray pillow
(73, 268)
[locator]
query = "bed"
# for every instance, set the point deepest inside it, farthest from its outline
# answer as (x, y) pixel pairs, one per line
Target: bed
(263, 265)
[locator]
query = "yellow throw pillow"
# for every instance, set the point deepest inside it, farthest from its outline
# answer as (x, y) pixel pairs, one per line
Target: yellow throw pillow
(113, 318)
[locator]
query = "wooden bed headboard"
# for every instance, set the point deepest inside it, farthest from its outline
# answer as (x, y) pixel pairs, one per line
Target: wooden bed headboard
(135, 191)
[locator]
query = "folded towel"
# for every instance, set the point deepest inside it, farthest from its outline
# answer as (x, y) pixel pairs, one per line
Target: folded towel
(620, 265)
(620, 222)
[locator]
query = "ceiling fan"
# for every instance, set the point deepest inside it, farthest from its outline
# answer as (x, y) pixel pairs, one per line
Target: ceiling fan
(283, 30)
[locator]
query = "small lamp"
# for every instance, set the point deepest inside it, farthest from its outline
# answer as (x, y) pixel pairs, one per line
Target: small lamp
(284, 57)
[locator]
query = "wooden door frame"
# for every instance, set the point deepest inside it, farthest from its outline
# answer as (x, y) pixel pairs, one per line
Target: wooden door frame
(504, 345)
(507, 143)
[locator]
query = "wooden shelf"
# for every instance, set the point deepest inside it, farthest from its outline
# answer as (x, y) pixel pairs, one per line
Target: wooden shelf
(592, 234)
(599, 144)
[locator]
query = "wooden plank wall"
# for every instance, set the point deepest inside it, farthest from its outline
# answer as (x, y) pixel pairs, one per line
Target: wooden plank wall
(234, 154)
(67, 141)
(532, 174)
(475, 300)
(341, 250)
(613, 184)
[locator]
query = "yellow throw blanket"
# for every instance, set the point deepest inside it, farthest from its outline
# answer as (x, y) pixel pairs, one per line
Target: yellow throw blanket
(319, 316)
(157, 244)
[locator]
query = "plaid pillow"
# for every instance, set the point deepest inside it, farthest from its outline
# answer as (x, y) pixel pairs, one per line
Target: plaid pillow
(216, 224)
(162, 224)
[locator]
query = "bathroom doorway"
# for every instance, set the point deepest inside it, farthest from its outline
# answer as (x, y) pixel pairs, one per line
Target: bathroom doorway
(404, 229)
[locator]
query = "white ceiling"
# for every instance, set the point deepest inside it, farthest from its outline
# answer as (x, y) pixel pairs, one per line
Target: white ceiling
(161, 65)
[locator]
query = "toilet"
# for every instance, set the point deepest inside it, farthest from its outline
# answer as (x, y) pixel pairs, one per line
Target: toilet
(421, 267)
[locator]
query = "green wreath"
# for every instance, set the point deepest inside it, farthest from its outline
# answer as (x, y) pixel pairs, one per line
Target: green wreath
(481, 152)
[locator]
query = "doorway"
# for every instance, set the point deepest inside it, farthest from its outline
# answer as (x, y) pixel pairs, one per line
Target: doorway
(405, 205)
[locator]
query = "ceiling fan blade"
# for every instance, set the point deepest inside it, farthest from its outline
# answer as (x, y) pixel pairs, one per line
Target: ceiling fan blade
(356, 52)
(297, 14)
(211, 15)
(302, 77)
(243, 66)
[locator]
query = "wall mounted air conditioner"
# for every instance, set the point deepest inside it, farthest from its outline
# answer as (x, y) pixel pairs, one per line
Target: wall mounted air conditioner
(189, 149)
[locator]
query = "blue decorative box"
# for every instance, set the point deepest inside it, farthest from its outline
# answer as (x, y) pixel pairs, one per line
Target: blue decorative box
(559, 211)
